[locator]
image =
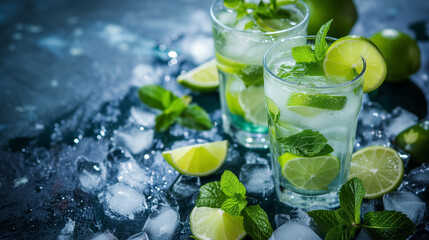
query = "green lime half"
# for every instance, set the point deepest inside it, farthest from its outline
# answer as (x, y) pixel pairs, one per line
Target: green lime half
(309, 104)
(215, 224)
(252, 101)
(415, 140)
(380, 169)
(312, 173)
(198, 160)
(343, 60)
(203, 78)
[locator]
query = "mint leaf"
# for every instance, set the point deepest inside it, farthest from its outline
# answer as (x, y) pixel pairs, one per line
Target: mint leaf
(342, 231)
(325, 219)
(303, 54)
(195, 117)
(234, 205)
(306, 143)
(388, 225)
(248, 25)
(232, 3)
(252, 75)
(256, 224)
(156, 96)
(170, 115)
(301, 69)
(326, 150)
(211, 195)
(230, 185)
(321, 45)
(351, 196)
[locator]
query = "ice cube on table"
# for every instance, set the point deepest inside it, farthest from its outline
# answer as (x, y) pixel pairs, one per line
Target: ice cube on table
(372, 115)
(257, 179)
(301, 216)
(106, 235)
(185, 186)
(162, 224)
(131, 173)
(142, 117)
(400, 120)
(294, 230)
(281, 219)
(368, 206)
(122, 201)
(67, 231)
(407, 203)
(139, 236)
(252, 158)
(118, 155)
(92, 175)
(134, 139)
(417, 180)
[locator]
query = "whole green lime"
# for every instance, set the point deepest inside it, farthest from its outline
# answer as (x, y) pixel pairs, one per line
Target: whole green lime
(401, 52)
(415, 140)
(342, 11)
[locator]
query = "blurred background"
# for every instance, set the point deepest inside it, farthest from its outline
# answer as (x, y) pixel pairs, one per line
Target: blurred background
(69, 71)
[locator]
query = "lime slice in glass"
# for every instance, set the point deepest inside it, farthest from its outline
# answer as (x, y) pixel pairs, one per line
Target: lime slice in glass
(227, 65)
(198, 160)
(233, 88)
(380, 169)
(312, 173)
(203, 78)
(214, 223)
(311, 105)
(343, 60)
(252, 101)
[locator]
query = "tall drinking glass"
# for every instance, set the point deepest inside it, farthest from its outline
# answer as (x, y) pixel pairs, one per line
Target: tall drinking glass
(240, 44)
(305, 110)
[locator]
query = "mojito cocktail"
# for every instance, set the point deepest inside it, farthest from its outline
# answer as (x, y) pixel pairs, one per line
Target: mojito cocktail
(241, 38)
(312, 122)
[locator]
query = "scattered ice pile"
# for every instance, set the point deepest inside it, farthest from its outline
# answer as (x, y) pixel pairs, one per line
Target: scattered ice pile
(162, 224)
(257, 179)
(67, 231)
(185, 187)
(106, 235)
(92, 175)
(407, 203)
(294, 230)
(297, 215)
(370, 129)
(139, 236)
(132, 174)
(252, 158)
(135, 139)
(417, 180)
(121, 201)
(281, 219)
(142, 117)
(399, 120)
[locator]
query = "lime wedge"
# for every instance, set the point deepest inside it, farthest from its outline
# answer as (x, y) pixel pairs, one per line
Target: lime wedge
(214, 223)
(227, 65)
(198, 160)
(312, 173)
(203, 78)
(343, 60)
(252, 101)
(297, 101)
(380, 169)
(273, 109)
(233, 88)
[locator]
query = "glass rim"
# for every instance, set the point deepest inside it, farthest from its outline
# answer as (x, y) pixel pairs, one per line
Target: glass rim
(359, 76)
(305, 19)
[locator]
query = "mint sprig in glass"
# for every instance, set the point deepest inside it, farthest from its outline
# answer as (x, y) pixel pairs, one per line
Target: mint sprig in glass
(243, 32)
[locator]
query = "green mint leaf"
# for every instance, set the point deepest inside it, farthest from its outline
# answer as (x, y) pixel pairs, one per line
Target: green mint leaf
(306, 143)
(325, 219)
(249, 25)
(351, 196)
(388, 225)
(211, 195)
(301, 69)
(241, 12)
(326, 150)
(230, 185)
(170, 115)
(232, 3)
(256, 224)
(341, 232)
(195, 117)
(303, 54)
(234, 205)
(252, 75)
(156, 96)
(321, 45)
